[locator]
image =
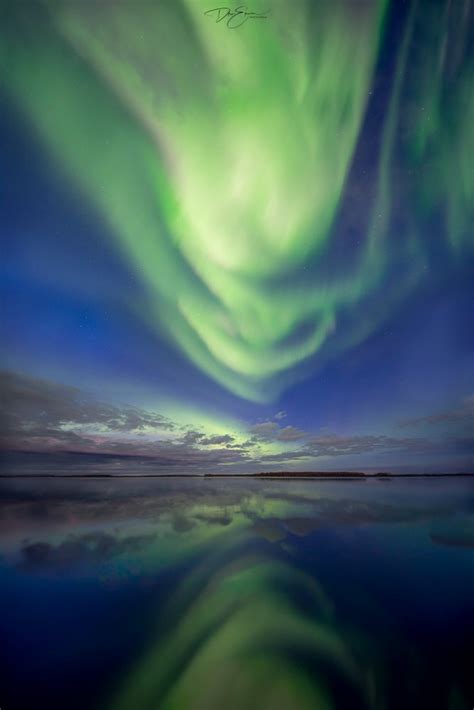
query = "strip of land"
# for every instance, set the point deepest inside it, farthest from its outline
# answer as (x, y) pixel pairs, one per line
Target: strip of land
(284, 475)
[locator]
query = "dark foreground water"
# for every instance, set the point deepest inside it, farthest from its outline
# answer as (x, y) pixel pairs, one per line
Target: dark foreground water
(140, 594)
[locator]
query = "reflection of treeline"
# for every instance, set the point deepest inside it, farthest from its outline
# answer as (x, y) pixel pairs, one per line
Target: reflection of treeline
(310, 474)
(295, 474)
(332, 474)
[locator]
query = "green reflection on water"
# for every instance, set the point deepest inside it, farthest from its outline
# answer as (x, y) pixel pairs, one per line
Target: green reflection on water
(261, 594)
(252, 633)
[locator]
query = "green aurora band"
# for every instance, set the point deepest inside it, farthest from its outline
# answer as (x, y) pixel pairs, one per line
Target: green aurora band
(219, 160)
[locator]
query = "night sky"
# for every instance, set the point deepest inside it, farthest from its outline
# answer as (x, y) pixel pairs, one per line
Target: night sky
(237, 248)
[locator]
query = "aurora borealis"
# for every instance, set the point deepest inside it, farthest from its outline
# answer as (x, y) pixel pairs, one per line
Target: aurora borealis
(211, 226)
(237, 364)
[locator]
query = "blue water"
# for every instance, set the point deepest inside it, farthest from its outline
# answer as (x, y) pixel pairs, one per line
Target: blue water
(192, 593)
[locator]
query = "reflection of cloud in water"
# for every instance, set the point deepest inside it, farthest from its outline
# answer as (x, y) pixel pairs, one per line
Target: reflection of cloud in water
(88, 549)
(270, 530)
(182, 524)
(252, 633)
(275, 530)
(184, 515)
(457, 531)
(215, 517)
(301, 526)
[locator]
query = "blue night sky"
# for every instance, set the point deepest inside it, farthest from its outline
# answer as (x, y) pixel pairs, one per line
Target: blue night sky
(237, 249)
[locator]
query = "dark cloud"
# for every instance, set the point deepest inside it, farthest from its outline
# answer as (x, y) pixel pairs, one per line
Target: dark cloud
(190, 438)
(264, 431)
(334, 445)
(271, 431)
(38, 407)
(197, 437)
(42, 416)
(290, 433)
(331, 445)
(461, 415)
(217, 440)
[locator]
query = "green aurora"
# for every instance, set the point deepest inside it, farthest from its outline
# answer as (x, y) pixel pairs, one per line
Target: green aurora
(220, 161)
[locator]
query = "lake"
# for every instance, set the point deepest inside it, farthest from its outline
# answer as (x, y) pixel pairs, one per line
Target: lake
(136, 593)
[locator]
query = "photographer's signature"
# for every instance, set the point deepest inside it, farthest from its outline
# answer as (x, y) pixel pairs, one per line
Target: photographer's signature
(235, 18)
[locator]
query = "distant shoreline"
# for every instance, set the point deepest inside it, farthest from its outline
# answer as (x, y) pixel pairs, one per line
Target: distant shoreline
(301, 476)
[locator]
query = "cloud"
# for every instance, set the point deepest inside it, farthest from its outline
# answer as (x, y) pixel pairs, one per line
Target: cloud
(333, 445)
(36, 405)
(44, 417)
(68, 431)
(290, 433)
(264, 431)
(271, 431)
(280, 415)
(217, 440)
(461, 415)
(197, 437)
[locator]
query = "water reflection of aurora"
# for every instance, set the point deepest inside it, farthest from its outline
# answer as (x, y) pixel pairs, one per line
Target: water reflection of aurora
(251, 631)
(256, 594)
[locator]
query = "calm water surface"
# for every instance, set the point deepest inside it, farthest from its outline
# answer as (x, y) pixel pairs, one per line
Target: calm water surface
(140, 594)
